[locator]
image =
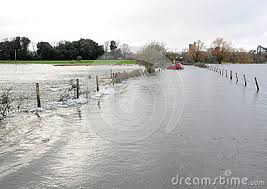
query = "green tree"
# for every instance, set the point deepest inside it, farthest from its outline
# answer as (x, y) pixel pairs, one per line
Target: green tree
(45, 51)
(16, 47)
(113, 45)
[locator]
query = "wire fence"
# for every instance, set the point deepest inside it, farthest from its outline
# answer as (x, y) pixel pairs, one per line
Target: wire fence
(50, 94)
(252, 79)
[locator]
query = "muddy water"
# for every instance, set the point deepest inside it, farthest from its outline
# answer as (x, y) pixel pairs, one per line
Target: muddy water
(140, 134)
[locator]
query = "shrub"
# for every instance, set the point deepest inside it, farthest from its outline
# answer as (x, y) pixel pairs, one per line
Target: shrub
(201, 65)
(79, 58)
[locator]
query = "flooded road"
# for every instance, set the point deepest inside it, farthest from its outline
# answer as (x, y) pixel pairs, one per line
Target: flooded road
(141, 133)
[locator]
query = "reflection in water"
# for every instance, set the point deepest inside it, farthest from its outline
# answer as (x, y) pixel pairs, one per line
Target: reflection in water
(148, 104)
(140, 135)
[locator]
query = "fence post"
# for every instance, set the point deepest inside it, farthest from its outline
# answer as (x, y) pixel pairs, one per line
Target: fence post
(231, 74)
(236, 77)
(77, 88)
(245, 80)
(87, 87)
(38, 95)
(226, 73)
(97, 86)
(111, 73)
(113, 78)
(257, 85)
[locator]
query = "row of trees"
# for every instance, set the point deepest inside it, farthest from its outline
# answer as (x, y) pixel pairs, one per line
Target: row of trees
(66, 50)
(113, 50)
(219, 51)
(155, 54)
(18, 48)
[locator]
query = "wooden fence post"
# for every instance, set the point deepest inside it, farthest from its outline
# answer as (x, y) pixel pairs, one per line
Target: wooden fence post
(77, 88)
(226, 73)
(113, 78)
(231, 74)
(236, 77)
(257, 85)
(97, 86)
(87, 88)
(245, 80)
(38, 95)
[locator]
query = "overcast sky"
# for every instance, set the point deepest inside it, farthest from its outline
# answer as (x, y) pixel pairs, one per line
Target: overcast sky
(174, 22)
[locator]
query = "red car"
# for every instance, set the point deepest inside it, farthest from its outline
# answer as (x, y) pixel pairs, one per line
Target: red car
(177, 66)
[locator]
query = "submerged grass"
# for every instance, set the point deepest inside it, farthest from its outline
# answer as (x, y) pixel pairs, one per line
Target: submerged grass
(201, 65)
(71, 62)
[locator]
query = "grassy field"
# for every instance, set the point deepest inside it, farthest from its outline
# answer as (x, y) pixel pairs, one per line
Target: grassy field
(74, 62)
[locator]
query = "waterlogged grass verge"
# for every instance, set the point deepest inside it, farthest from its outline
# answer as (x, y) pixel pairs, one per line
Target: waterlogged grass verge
(70, 62)
(201, 65)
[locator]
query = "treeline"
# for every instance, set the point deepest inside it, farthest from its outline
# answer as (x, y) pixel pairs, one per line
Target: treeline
(66, 50)
(18, 49)
(219, 51)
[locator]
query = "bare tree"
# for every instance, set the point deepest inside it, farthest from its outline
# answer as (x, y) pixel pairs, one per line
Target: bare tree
(221, 49)
(118, 43)
(106, 48)
(153, 55)
(125, 49)
(240, 56)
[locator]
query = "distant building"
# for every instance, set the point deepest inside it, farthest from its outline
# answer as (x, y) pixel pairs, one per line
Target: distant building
(192, 45)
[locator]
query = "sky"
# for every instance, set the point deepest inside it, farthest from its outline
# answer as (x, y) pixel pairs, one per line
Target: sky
(137, 22)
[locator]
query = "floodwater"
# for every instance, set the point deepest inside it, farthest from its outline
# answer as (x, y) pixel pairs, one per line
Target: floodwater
(141, 133)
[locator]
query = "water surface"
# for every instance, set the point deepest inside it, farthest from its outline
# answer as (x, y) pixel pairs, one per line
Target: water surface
(139, 134)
